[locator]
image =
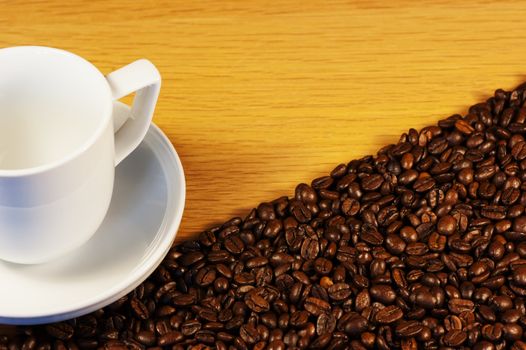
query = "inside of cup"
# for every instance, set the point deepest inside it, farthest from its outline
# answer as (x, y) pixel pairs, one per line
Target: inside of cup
(52, 105)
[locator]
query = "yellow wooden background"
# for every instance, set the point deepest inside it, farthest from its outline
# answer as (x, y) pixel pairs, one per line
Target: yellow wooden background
(260, 95)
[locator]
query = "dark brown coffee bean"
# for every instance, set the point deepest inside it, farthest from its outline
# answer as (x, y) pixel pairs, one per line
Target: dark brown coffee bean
(249, 334)
(323, 266)
(371, 235)
(395, 244)
(184, 300)
(256, 302)
(416, 248)
(62, 330)
(205, 276)
(350, 206)
(191, 258)
(493, 212)
(326, 323)
(408, 234)
(389, 314)
(190, 327)
(437, 242)
(170, 338)
(464, 127)
(519, 150)
(454, 338)
(316, 306)
(465, 176)
(501, 302)
(457, 305)
(407, 177)
(424, 184)
(321, 342)
(234, 244)
(372, 182)
(162, 327)
(299, 318)
(305, 193)
(519, 275)
(339, 291)
(256, 262)
(322, 182)
(487, 313)
(424, 298)
(383, 293)
(244, 278)
(407, 329)
(484, 345)
(146, 338)
(447, 225)
(519, 224)
(300, 212)
(492, 332)
(310, 248)
(218, 256)
(354, 324)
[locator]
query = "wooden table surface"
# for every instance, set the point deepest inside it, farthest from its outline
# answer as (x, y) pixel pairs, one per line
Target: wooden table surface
(258, 96)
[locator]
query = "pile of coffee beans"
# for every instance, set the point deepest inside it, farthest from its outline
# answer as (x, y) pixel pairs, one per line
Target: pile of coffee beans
(422, 246)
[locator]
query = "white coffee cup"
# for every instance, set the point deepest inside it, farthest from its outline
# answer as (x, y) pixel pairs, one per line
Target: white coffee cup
(60, 140)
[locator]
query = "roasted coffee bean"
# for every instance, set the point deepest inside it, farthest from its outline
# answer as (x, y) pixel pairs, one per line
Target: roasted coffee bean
(371, 235)
(316, 306)
(353, 324)
(395, 244)
(492, 332)
(300, 212)
(383, 293)
(455, 338)
(234, 244)
(362, 301)
(306, 194)
(519, 224)
(146, 338)
(447, 225)
(389, 314)
(205, 276)
(323, 266)
(372, 182)
(299, 318)
(310, 248)
(464, 127)
(408, 329)
(408, 234)
(249, 334)
(339, 291)
(256, 302)
(424, 298)
(170, 338)
(326, 323)
(62, 330)
(457, 305)
(191, 258)
(190, 327)
(321, 342)
(350, 206)
(519, 275)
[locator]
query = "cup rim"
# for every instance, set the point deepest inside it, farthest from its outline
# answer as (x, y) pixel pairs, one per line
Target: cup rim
(7, 173)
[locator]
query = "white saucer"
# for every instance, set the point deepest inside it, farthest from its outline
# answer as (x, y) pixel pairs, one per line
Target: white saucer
(138, 231)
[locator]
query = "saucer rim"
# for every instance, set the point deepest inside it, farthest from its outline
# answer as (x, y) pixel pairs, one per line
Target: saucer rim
(140, 273)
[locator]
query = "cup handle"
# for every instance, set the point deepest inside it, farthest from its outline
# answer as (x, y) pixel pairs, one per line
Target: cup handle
(143, 78)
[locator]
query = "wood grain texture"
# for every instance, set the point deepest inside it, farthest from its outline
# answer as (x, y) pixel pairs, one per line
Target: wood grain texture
(258, 96)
